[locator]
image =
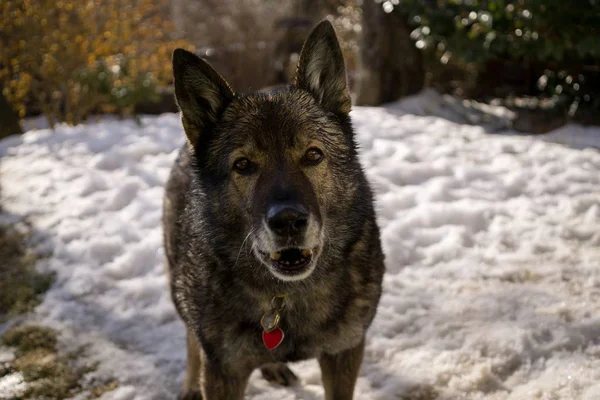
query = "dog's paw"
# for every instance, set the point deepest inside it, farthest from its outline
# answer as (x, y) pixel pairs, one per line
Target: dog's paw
(189, 395)
(279, 373)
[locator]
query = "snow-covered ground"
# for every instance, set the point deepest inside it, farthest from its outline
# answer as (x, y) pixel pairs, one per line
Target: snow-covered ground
(492, 244)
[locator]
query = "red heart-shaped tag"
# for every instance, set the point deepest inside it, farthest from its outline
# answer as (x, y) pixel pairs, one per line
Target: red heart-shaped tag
(273, 338)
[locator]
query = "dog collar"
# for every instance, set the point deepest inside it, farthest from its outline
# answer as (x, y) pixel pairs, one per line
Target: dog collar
(272, 334)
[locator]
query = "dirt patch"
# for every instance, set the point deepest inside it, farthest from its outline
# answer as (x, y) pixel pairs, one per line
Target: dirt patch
(21, 285)
(44, 372)
(31, 366)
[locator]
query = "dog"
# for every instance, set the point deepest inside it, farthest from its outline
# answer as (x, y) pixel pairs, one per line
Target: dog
(270, 233)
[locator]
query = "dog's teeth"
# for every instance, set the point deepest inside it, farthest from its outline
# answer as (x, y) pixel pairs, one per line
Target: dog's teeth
(307, 252)
(275, 256)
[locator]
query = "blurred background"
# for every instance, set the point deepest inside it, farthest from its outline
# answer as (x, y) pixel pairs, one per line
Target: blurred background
(70, 59)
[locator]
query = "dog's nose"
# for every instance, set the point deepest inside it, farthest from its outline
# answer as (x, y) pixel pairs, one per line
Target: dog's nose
(287, 219)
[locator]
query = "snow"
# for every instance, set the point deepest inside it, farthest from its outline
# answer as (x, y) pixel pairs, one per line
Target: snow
(492, 246)
(12, 385)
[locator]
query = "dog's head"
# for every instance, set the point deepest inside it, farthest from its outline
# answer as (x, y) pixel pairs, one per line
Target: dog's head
(276, 163)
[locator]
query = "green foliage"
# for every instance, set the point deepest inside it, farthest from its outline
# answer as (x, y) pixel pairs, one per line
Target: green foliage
(118, 84)
(475, 30)
(557, 40)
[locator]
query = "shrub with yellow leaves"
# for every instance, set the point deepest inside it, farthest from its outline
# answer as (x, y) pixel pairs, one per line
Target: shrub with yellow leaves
(70, 58)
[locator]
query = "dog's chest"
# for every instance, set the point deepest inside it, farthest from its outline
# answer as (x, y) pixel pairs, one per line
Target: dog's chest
(308, 330)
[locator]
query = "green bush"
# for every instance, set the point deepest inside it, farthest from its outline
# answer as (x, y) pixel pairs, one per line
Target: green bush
(117, 85)
(545, 30)
(555, 42)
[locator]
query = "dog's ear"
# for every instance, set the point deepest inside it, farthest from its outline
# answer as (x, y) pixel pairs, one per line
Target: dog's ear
(201, 93)
(321, 70)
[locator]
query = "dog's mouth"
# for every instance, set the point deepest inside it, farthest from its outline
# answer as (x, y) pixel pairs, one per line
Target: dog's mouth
(291, 263)
(291, 260)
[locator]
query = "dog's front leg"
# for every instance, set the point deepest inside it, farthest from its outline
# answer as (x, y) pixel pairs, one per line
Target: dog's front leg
(339, 372)
(191, 383)
(220, 384)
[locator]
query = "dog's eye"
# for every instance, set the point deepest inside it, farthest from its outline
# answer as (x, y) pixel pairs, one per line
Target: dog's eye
(242, 165)
(313, 156)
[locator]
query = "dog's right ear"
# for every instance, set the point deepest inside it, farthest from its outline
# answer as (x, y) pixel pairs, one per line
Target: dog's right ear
(201, 93)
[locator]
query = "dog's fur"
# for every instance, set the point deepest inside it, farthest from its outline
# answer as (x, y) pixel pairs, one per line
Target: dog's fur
(217, 240)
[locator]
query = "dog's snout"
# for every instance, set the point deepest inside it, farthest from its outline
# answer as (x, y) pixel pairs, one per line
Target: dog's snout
(287, 219)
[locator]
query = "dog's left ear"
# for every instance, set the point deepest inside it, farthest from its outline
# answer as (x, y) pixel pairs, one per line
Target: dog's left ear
(321, 70)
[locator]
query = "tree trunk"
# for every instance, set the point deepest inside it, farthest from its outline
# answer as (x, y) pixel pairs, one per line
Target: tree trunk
(9, 119)
(391, 66)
